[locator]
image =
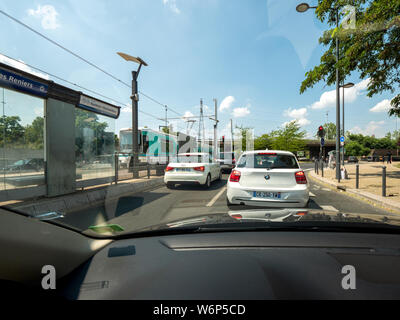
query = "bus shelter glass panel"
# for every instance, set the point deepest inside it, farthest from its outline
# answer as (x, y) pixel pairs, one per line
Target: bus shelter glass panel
(21, 140)
(94, 145)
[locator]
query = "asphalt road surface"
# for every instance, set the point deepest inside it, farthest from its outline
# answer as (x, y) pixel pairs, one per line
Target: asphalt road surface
(163, 205)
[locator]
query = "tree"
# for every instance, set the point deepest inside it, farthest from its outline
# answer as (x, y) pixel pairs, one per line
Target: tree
(372, 49)
(263, 142)
(34, 133)
(289, 138)
(91, 137)
(11, 131)
(330, 131)
(354, 148)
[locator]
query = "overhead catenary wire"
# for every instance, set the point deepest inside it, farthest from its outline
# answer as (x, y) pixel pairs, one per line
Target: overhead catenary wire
(75, 84)
(81, 58)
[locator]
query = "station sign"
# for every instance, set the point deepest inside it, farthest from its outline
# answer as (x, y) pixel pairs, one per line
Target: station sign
(17, 82)
(97, 106)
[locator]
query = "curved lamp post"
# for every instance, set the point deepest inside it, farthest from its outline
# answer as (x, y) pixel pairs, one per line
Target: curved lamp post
(135, 99)
(303, 7)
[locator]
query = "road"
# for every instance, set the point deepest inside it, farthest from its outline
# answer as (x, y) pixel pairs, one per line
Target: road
(164, 205)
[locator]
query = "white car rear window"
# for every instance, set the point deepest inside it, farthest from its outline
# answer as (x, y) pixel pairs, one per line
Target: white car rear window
(268, 161)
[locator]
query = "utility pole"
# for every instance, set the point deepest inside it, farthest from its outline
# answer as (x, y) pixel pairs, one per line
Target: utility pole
(216, 147)
(135, 99)
(338, 173)
(327, 126)
(201, 123)
(135, 124)
(232, 144)
(167, 129)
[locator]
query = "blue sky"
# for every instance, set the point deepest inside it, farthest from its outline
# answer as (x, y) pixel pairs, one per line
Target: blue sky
(250, 55)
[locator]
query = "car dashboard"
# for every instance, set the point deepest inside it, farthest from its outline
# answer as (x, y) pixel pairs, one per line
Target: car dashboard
(240, 266)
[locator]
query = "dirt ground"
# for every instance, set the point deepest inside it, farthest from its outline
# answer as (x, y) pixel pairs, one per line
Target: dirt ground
(371, 178)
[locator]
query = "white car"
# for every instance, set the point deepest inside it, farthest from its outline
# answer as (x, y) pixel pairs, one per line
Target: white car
(268, 178)
(192, 168)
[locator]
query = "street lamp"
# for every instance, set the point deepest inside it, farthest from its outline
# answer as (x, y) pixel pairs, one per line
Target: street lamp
(344, 86)
(303, 7)
(135, 99)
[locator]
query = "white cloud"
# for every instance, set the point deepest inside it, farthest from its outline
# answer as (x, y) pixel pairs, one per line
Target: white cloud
(240, 112)
(226, 103)
(382, 106)
(187, 115)
(297, 114)
(328, 98)
(372, 128)
(172, 5)
(22, 66)
(48, 14)
(303, 122)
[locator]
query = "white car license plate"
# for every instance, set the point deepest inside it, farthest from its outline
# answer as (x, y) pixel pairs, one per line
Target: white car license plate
(268, 195)
(183, 169)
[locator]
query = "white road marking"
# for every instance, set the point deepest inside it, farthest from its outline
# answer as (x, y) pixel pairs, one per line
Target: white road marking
(216, 197)
(326, 189)
(329, 208)
(312, 194)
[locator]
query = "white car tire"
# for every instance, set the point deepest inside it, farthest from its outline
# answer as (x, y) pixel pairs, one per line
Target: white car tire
(170, 185)
(207, 184)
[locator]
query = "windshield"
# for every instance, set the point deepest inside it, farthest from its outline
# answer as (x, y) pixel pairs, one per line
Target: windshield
(131, 116)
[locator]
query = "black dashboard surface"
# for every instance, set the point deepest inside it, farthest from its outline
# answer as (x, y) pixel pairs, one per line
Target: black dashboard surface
(241, 265)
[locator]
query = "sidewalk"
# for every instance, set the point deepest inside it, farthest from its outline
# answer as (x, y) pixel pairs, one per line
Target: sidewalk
(370, 183)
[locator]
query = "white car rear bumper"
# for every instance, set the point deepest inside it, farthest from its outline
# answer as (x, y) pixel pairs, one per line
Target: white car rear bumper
(181, 178)
(290, 197)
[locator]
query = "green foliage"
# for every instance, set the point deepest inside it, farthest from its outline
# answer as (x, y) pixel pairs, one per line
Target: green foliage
(11, 131)
(34, 133)
(330, 131)
(289, 138)
(359, 144)
(263, 142)
(372, 49)
(91, 139)
(354, 148)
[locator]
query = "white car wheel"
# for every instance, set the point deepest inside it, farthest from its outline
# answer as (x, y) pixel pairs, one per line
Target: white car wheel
(208, 182)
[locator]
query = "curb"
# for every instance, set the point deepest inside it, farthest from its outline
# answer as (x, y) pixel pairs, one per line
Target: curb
(370, 198)
(89, 198)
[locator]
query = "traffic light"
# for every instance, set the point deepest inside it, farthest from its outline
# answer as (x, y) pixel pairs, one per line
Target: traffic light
(321, 132)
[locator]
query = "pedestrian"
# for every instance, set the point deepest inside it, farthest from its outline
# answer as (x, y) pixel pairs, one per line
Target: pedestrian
(389, 157)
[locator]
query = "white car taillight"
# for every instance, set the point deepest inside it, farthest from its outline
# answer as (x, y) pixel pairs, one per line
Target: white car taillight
(169, 168)
(235, 176)
(300, 177)
(202, 168)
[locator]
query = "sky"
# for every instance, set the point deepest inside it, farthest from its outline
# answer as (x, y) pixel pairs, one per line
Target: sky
(249, 55)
